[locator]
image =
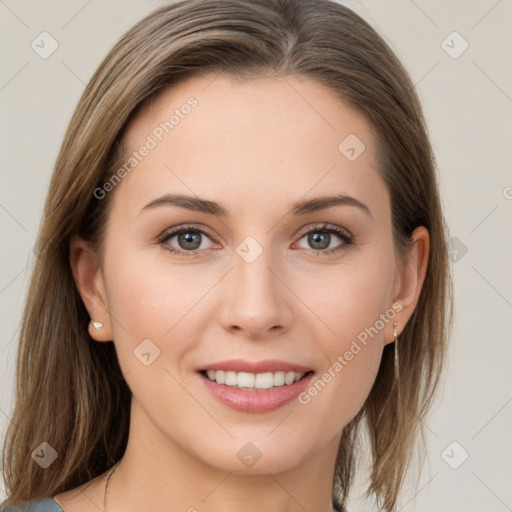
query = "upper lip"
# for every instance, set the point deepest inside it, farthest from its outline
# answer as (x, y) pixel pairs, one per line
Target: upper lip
(268, 365)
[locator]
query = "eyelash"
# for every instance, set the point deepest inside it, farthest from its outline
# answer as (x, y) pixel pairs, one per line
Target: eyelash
(346, 237)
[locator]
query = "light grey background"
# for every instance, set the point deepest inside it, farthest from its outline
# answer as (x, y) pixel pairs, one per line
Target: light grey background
(468, 105)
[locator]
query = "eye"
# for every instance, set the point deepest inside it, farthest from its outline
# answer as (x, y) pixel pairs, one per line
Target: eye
(189, 240)
(320, 238)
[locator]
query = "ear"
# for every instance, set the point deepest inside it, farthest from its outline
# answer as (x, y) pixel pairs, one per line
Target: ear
(89, 281)
(409, 281)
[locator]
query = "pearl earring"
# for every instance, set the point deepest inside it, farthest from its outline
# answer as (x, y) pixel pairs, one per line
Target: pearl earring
(97, 325)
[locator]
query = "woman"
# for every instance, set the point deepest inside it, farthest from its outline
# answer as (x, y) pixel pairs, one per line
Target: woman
(242, 270)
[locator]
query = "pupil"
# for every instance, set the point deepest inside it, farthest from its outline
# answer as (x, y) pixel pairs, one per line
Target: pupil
(185, 239)
(316, 240)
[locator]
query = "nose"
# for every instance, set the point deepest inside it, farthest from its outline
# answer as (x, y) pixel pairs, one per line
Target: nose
(255, 301)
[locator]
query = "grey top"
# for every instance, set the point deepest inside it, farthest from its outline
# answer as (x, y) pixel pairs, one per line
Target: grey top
(46, 505)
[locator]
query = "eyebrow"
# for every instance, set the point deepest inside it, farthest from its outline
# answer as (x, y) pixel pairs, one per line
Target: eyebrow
(211, 207)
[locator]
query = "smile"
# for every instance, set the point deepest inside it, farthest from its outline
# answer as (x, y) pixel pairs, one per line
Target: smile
(254, 381)
(255, 386)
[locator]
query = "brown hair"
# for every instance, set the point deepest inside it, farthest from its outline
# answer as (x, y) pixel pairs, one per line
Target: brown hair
(70, 391)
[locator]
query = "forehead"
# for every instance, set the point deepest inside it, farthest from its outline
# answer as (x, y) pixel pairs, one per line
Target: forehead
(251, 140)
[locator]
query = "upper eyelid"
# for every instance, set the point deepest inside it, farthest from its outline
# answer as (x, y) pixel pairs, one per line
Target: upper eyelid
(324, 226)
(178, 229)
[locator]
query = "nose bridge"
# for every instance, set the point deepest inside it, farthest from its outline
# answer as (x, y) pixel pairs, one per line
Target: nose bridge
(255, 275)
(255, 302)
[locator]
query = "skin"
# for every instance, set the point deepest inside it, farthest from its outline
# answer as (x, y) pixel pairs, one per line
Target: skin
(256, 147)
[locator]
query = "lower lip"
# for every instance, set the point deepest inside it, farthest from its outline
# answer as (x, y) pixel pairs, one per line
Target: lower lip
(256, 400)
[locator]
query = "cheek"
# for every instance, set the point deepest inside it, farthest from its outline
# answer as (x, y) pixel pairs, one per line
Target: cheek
(151, 299)
(153, 308)
(353, 305)
(348, 299)
(352, 354)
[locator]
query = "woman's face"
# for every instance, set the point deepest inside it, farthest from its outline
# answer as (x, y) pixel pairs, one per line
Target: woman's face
(256, 274)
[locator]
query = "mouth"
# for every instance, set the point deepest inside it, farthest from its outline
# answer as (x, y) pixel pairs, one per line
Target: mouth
(255, 387)
(254, 381)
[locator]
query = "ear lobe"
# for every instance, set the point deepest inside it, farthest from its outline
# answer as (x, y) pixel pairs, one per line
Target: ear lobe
(412, 277)
(89, 282)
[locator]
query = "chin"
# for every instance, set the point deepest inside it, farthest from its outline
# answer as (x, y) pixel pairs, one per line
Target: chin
(259, 456)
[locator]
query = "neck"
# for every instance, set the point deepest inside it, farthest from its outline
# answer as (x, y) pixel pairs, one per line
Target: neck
(156, 474)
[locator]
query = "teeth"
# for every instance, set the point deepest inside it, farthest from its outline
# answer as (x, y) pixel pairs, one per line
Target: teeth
(253, 380)
(245, 380)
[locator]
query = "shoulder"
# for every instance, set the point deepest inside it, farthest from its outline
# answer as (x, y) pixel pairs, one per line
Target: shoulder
(73, 500)
(44, 505)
